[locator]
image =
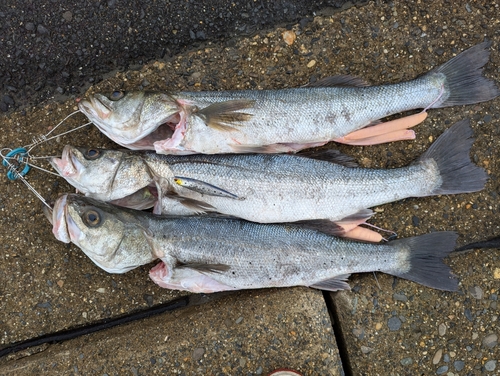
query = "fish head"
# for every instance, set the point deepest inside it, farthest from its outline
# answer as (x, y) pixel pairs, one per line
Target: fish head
(103, 174)
(133, 119)
(113, 239)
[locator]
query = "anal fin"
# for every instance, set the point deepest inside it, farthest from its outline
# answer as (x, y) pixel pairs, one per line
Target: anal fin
(393, 130)
(333, 284)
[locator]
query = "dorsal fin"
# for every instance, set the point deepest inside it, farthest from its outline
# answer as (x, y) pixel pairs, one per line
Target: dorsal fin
(340, 80)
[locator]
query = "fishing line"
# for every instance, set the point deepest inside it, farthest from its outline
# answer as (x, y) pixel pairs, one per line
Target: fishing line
(18, 161)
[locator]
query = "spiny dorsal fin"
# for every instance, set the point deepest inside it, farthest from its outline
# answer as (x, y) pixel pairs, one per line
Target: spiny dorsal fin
(223, 116)
(340, 80)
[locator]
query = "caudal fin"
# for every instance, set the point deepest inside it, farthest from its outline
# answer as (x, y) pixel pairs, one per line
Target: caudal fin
(451, 154)
(423, 256)
(465, 83)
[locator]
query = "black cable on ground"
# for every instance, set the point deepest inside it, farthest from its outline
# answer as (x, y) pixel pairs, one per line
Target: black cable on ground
(69, 334)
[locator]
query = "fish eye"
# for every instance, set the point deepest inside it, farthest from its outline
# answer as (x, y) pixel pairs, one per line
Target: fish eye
(92, 218)
(116, 95)
(92, 154)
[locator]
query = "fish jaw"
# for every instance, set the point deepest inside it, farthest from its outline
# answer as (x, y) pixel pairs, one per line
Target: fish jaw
(59, 228)
(93, 108)
(68, 165)
(136, 120)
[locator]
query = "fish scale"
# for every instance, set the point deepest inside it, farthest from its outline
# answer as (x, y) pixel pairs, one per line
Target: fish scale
(208, 254)
(286, 120)
(269, 188)
(344, 109)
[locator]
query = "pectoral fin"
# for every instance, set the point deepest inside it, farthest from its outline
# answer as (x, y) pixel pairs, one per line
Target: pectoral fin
(204, 268)
(334, 284)
(224, 116)
(393, 130)
(197, 206)
(203, 187)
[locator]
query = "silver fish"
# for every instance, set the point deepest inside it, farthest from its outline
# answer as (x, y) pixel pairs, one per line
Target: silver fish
(209, 254)
(273, 188)
(273, 121)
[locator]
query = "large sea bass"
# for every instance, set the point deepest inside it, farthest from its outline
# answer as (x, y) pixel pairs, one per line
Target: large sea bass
(271, 188)
(208, 254)
(273, 121)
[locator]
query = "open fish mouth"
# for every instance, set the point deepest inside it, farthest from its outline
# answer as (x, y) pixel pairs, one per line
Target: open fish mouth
(68, 165)
(59, 219)
(94, 108)
(173, 142)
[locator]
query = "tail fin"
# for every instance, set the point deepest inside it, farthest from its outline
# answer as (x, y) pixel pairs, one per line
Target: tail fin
(464, 79)
(425, 255)
(451, 154)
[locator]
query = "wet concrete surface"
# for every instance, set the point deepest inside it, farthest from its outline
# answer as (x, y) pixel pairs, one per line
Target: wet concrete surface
(400, 328)
(223, 337)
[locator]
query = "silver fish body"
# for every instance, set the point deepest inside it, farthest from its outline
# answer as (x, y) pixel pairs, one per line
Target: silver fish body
(208, 254)
(273, 188)
(273, 121)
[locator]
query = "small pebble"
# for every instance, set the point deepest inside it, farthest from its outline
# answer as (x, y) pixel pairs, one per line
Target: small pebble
(459, 365)
(41, 29)
(198, 353)
(259, 371)
(490, 365)
(366, 349)
(394, 323)
(311, 64)
(490, 341)
(442, 370)
(68, 16)
(468, 314)
(400, 297)
(406, 361)
(476, 292)
(496, 273)
(239, 320)
(446, 358)
(289, 37)
(437, 356)
(442, 329)
(415, 221)
(359, 332)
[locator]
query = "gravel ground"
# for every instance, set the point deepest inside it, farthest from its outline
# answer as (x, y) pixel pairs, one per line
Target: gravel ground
(57, 49)
(47, 286)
